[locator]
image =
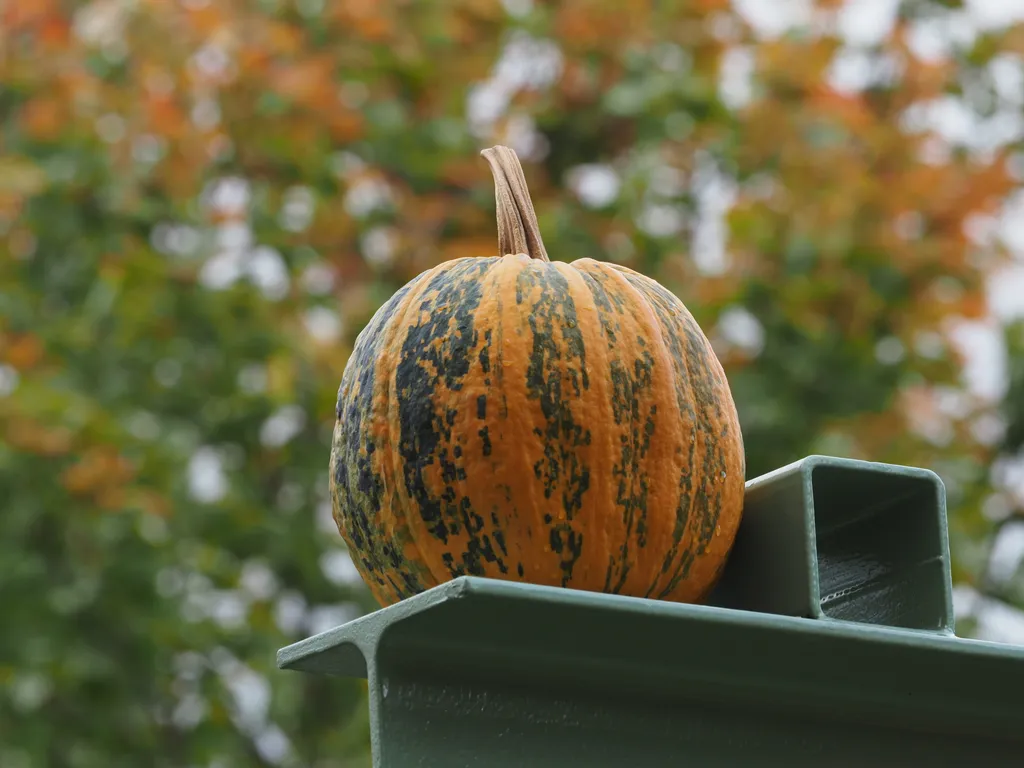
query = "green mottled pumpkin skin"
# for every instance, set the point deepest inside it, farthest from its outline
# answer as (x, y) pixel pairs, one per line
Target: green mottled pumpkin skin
(552, 423)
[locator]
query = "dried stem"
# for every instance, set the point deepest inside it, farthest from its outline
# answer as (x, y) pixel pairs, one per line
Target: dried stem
(518, 231)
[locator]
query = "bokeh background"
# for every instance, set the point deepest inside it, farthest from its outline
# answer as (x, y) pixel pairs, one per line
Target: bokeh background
(203, 201)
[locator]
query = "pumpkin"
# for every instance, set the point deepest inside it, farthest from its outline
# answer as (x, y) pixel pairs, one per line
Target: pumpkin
(523, 419)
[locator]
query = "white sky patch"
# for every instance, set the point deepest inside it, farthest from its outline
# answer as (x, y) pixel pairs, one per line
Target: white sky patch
(9, 379)
(517, 8)
(854, 69)
(318, 278)
(1007, 70)
(715, 194)
(272, 743)
(267, 270)
(866, 22)
(988, 428)
(258, 580)
(996, 621)
(282, 426)
(338, 568)
(983, 348)
(207, 482)
(205, 114)
(101, 24)
(1007, 552)
(1007, 473)
(773, 18)
(324, 617)
(933, 39)
(250, 692)
(367, 195)
(228, 196)
(661, 219)
(323, 324)
(889, 350)
(211, 60)
(325, 518)
(522, 136)
(995, 14)
(1010, 225)
(736, 77)
(148, 149)
(252, 378)
(379, 246)
(1005, 287)
(111, 128)
(525, 63)
(850, 71)
(742, 329)
(596, 185)
(1000, 623)
(290, 612)
(191, 709)
(175, 239)
(297, 209)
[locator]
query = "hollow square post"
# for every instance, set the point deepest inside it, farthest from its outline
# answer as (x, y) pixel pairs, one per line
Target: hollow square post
(831, 538)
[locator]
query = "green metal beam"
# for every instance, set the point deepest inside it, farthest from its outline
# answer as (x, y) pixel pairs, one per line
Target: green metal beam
(478, 672)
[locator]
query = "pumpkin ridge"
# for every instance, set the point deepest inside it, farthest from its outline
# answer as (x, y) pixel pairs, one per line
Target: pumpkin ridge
(451, 298)
(398, 509)
(618, 567)
(710, 503)
(630, 379)
(557, 360)
(394, 519)
(703, 365)
(511, 444)
(483, 544)
(595, 412)
(672, 337)
(603, 469)
(538, 384)
(658, 428)
(481, 457)
(356, 486)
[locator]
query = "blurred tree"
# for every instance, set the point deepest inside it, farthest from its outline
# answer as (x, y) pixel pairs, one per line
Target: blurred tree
(203, 201)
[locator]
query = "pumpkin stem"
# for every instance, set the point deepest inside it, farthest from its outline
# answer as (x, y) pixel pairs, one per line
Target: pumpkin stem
(518, 231)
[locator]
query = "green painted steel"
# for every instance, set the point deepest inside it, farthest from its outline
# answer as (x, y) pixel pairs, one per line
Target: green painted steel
(478, 672)
(837, 538)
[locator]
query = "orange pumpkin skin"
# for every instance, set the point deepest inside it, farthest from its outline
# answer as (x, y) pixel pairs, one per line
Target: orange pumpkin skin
(552, 423)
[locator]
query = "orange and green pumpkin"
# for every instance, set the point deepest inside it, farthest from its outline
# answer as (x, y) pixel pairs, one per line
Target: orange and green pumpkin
(523, 419)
